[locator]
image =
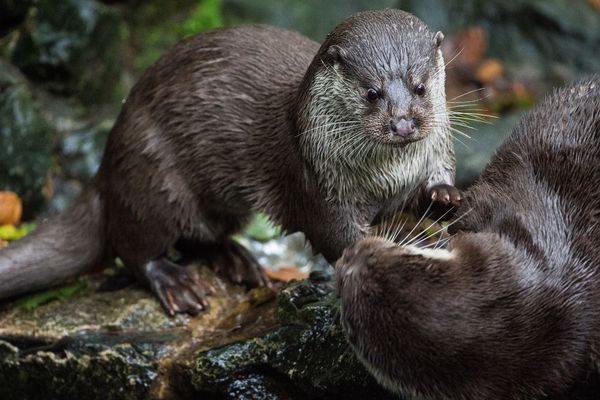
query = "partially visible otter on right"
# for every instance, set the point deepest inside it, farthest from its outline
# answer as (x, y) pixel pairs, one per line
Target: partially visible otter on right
(511, 308)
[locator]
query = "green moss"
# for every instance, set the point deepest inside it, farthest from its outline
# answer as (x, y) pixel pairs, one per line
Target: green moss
(206, 15)
(308, 353)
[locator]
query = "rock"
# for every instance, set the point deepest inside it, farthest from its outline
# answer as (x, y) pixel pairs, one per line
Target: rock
(121, 345)
(307, 356)
(26, 140)
(72, 47)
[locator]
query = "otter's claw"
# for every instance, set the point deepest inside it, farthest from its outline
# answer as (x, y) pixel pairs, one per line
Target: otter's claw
(445, 199)
(235, 262)
(445, 195)
(178, 288)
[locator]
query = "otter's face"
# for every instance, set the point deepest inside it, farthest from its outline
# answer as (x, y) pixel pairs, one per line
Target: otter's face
(393, 82)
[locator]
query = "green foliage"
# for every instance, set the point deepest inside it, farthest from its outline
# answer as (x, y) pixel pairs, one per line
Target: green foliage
(37, 299)
(10, 232)
(262, 229)
(157, 25)
(207, 15)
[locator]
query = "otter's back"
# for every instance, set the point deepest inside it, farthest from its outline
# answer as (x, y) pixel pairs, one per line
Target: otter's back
(189, 123)
(542, 187)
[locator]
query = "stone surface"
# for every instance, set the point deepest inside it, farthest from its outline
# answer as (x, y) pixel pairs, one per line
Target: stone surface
(121, 345)
(72, 47)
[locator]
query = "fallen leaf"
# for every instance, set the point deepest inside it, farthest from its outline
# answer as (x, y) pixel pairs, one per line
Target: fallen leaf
(3, 243)
(11, 208)
(488, 71)
(595, 4)
(286, 274)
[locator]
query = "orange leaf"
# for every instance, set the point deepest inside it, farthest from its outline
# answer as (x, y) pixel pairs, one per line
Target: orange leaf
(3, 243)
(595, 4)
(286, 274)
(11, 208)
(488, 71)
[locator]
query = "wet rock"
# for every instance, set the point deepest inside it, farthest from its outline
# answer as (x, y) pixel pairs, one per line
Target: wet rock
(26, 139)
(72, 47)
(306, 357)
(121, 345)
(99, 345)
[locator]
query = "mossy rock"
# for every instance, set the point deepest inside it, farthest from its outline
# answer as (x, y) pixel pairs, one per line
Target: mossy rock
(306, 357)
(72, 47)
(26, 139)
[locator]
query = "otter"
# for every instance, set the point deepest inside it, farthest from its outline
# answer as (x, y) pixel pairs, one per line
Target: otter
(255, 119)
(510, 309)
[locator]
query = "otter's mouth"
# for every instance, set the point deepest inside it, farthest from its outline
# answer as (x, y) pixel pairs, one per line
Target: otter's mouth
(395, 140)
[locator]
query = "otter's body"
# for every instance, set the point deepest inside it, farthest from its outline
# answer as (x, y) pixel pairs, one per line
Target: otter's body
(247, 119)
(511, 309)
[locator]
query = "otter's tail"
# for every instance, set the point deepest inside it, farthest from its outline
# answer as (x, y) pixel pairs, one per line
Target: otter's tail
(66, 245)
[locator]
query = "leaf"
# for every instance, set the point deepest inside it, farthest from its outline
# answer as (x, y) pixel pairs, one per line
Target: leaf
(262, 229)
(10, 232)
(62, 293)
(11, 208)
(286, 274)
(488, 71)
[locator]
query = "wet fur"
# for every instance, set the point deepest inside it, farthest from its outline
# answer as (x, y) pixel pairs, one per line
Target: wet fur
(512, 309)
(217, 129)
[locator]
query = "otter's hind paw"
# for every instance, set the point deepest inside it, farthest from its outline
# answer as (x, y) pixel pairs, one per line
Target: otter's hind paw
(237, 264)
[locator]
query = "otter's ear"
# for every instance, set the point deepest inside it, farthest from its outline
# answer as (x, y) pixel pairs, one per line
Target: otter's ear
(438, 38)
(336, 54)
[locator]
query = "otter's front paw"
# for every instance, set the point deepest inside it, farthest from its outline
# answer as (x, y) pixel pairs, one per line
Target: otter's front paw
(178, 288)
(444, 200)
(445, 195)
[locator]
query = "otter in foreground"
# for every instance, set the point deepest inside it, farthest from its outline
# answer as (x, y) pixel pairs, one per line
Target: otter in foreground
(247, 119)
(511, 308)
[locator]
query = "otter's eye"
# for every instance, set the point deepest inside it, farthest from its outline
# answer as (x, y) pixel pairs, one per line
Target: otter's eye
(420, 89)
(373, 94)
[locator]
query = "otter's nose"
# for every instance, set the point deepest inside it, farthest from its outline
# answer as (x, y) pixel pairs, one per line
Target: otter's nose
(402, 126)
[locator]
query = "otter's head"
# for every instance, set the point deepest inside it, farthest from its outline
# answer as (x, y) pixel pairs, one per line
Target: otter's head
(476, 321)
(381, 74)
(391, 313)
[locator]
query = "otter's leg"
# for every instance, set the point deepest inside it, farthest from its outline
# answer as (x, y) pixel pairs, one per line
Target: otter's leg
(227, 257)
(142, 236)
(232, 260)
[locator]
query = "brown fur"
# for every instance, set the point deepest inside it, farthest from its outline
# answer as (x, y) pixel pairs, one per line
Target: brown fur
(512, 309)
(211, 133)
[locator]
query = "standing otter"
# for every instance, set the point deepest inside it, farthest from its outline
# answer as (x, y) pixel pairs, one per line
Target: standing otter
(247, 119)
(511, 308)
